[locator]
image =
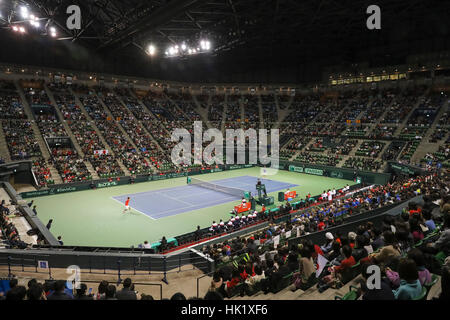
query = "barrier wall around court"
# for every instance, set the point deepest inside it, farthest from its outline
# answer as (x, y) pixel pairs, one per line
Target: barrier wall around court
(118, 181)
(366, 177)
(120, 263)
(333, 172)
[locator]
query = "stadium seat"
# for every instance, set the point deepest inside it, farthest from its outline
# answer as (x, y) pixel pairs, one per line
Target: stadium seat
(352, 294)
(423, 294)
(285, 281)
(434, 280)
(236, 290)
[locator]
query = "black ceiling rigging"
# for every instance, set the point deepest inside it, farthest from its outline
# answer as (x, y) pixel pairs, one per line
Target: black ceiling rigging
(263, 24)
(245, 35)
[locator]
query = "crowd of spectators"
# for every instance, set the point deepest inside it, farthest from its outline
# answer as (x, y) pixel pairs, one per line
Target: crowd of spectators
(10, 105)
(261, 261)
(370, 148)
(9, 236)
(57, 290)
(20, 139)
(42, 172)
(383, 132)
(317, 158)
(365, 164)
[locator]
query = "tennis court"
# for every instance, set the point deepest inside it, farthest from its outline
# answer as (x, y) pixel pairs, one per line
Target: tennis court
(96, 218)
(162, 203)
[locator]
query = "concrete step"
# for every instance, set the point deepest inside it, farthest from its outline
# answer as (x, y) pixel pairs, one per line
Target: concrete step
(425, 145)
(260, 111)
(64, 123)
(37, 134)
(201, 111)
(224, 113)
(55, 175)
(91, 170)
(83, 110)
(403, 124)
(125, 134)
(353, 152)
(124, 168)
(25, 103)
(40, 139)
(282, 114)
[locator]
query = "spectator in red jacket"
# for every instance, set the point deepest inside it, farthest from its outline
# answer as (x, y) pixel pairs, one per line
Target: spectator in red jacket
(348, 262)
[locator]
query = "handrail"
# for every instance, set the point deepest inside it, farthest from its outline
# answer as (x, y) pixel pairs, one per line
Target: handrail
(198, 281)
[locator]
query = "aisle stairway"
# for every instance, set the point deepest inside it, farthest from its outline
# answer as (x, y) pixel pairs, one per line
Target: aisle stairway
(224, 113)
(64, 123)
(125, 134)
(282, 114)
(260, 110)
(37, 134)
(425, 145)
(143, 126)
(202, 111)
(92, 122)
(175, 105)
(4, 152)
(416, 105)
(102, 139)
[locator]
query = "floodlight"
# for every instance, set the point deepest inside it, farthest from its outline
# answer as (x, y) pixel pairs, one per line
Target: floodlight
(151, 50)
(24, 12)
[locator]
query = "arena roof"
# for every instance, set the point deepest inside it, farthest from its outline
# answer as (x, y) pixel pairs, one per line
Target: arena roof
(280, 35)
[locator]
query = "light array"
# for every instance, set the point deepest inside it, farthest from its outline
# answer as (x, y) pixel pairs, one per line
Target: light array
(183, 49)
(32, 19)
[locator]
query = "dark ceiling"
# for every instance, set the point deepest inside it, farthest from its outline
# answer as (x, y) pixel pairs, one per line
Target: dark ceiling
(253, 40)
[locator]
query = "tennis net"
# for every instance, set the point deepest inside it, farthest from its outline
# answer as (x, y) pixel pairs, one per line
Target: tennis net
(212, 186)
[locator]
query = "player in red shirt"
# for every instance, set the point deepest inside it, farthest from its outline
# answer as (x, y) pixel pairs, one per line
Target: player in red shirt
(127, 205)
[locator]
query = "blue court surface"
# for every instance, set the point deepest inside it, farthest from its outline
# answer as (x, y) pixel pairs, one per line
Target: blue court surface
(163, 203)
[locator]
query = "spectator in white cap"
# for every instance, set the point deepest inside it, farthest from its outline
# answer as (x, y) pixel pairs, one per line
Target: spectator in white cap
(327, 246)
(351, 235)
(352, 238)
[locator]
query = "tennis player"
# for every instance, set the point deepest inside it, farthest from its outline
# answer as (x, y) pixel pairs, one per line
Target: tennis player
(127, 205)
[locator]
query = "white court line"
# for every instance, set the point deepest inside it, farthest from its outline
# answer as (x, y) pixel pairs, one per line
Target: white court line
(135, 209)
(163, 213)
(167, 196)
